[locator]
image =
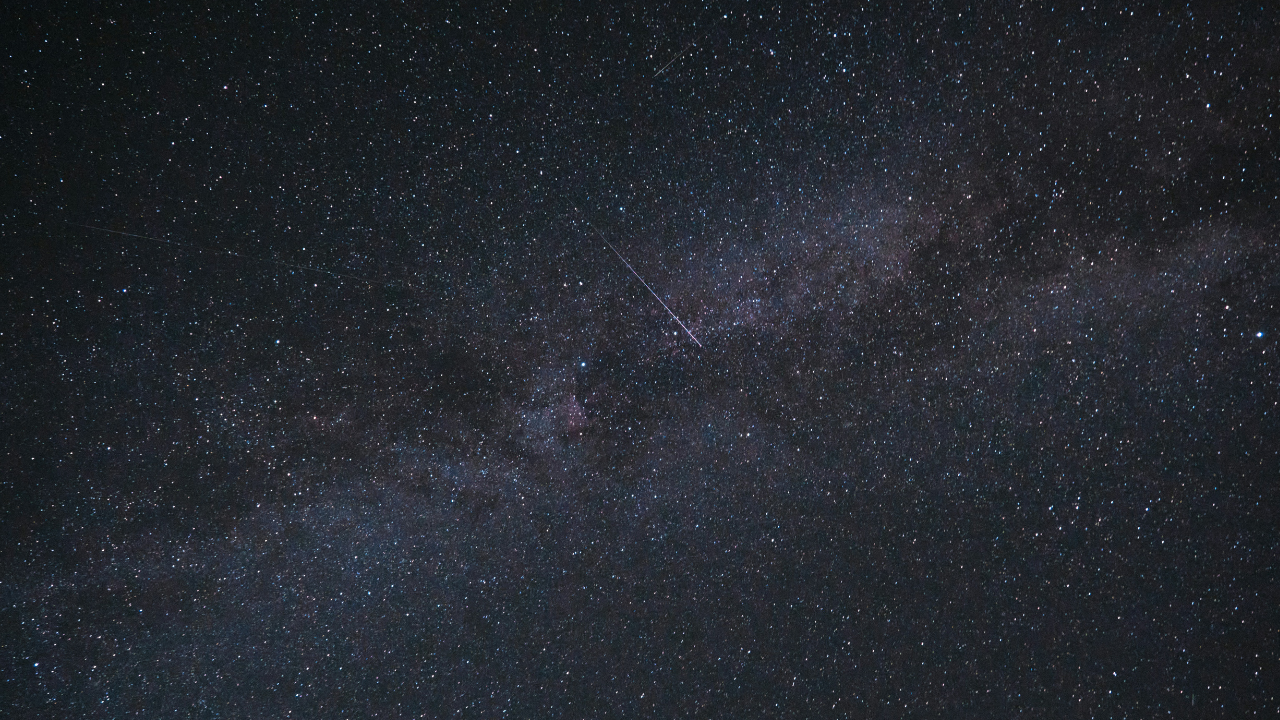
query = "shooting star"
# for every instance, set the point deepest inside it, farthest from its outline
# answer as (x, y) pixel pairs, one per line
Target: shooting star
(677, 57)
(642, 282)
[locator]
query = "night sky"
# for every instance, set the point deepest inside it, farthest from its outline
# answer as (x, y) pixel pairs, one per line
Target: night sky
(323, 394)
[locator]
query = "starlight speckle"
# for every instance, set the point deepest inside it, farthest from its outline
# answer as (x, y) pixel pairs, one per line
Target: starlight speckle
(920, 383)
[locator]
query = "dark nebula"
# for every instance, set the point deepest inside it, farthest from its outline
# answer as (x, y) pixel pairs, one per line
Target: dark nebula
(321, 397)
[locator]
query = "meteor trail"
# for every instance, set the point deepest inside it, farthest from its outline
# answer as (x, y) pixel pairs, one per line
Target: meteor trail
(642, 282)
(677, 57)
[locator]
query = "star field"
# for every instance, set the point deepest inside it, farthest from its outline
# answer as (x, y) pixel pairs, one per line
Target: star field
(326, 394)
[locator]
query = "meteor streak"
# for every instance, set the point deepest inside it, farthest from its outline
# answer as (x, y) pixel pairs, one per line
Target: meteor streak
(682, 53)
(642, 282)
(677, 57)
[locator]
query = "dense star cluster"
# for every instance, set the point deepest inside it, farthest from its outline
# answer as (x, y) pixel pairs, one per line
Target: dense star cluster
(323, 393)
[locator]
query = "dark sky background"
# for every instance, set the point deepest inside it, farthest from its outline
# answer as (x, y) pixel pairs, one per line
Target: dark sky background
(362, 418)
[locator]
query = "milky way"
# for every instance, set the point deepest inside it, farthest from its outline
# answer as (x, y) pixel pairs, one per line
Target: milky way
(978, 417)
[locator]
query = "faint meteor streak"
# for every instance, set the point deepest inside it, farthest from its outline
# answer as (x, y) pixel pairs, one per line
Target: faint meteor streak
(642, 282)
(677, 57)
